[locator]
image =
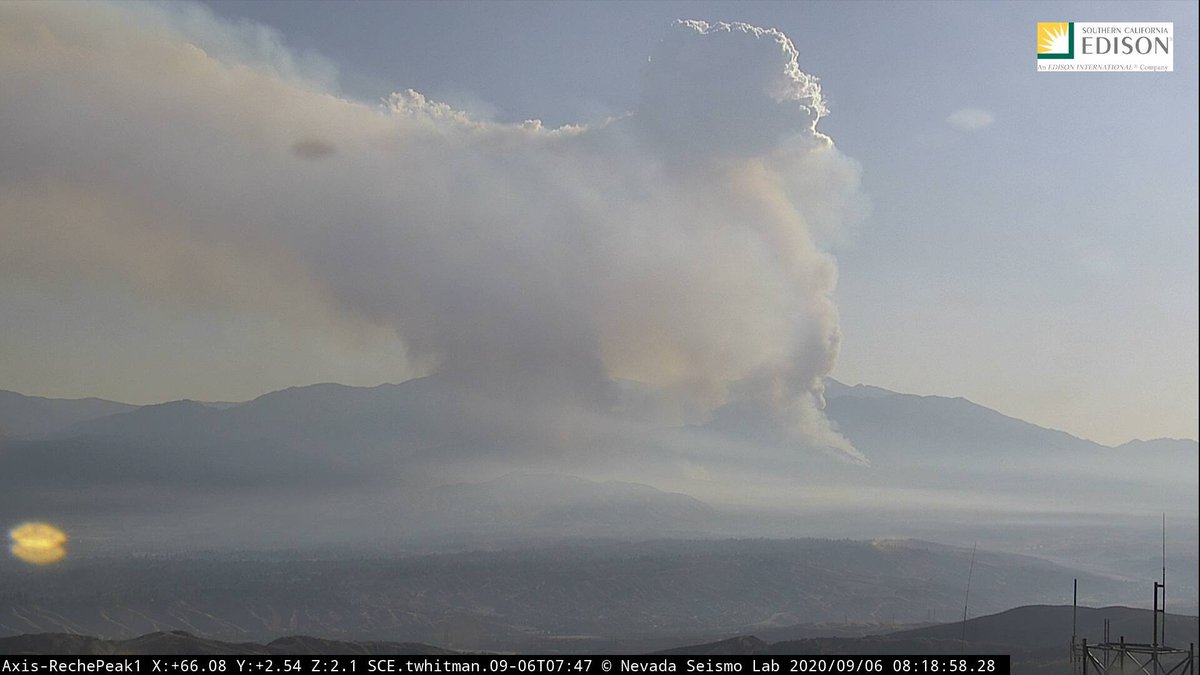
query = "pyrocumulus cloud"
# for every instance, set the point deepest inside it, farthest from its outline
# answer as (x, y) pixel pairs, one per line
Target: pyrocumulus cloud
(679, 247)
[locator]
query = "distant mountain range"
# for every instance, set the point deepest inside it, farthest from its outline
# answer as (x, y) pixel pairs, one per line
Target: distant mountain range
(879, 419)
(333, 411)
(1036, 638)
(28, 416)
(422, 456)
(184, 643)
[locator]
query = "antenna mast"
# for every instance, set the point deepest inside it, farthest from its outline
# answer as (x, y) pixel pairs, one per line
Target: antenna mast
(970, 572)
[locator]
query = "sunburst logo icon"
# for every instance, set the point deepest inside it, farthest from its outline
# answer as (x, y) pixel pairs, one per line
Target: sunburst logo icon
(1056, 40)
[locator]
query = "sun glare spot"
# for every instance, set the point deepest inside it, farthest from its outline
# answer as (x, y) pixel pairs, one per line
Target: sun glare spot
(38, 543)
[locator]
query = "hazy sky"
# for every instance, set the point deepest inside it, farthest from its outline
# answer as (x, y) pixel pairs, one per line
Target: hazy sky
(1026, 240)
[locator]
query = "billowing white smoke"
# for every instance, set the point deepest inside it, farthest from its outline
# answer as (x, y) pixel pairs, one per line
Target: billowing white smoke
(675, 247)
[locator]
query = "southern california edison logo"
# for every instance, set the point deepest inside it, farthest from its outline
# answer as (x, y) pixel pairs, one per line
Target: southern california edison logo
(1105, 46)
(1055, 40)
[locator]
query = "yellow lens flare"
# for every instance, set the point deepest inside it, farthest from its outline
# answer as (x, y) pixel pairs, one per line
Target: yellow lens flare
(38, 543)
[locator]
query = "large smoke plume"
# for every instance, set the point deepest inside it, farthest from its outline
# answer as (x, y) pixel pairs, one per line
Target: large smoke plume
(675, 251)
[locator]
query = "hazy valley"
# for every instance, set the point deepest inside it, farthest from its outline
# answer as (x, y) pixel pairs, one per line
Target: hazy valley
(346, 513)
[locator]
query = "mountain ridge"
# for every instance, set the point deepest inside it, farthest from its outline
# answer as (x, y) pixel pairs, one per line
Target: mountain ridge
(100, 407)
(1035, 635)
(24, 416)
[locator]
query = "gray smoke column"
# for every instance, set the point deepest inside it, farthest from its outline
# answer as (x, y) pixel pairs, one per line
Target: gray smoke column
(678, 247)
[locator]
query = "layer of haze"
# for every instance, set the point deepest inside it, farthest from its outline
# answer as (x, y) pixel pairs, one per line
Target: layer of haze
(1032, 244)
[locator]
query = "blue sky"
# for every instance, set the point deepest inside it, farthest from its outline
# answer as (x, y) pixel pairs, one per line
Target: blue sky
(1039, 256)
